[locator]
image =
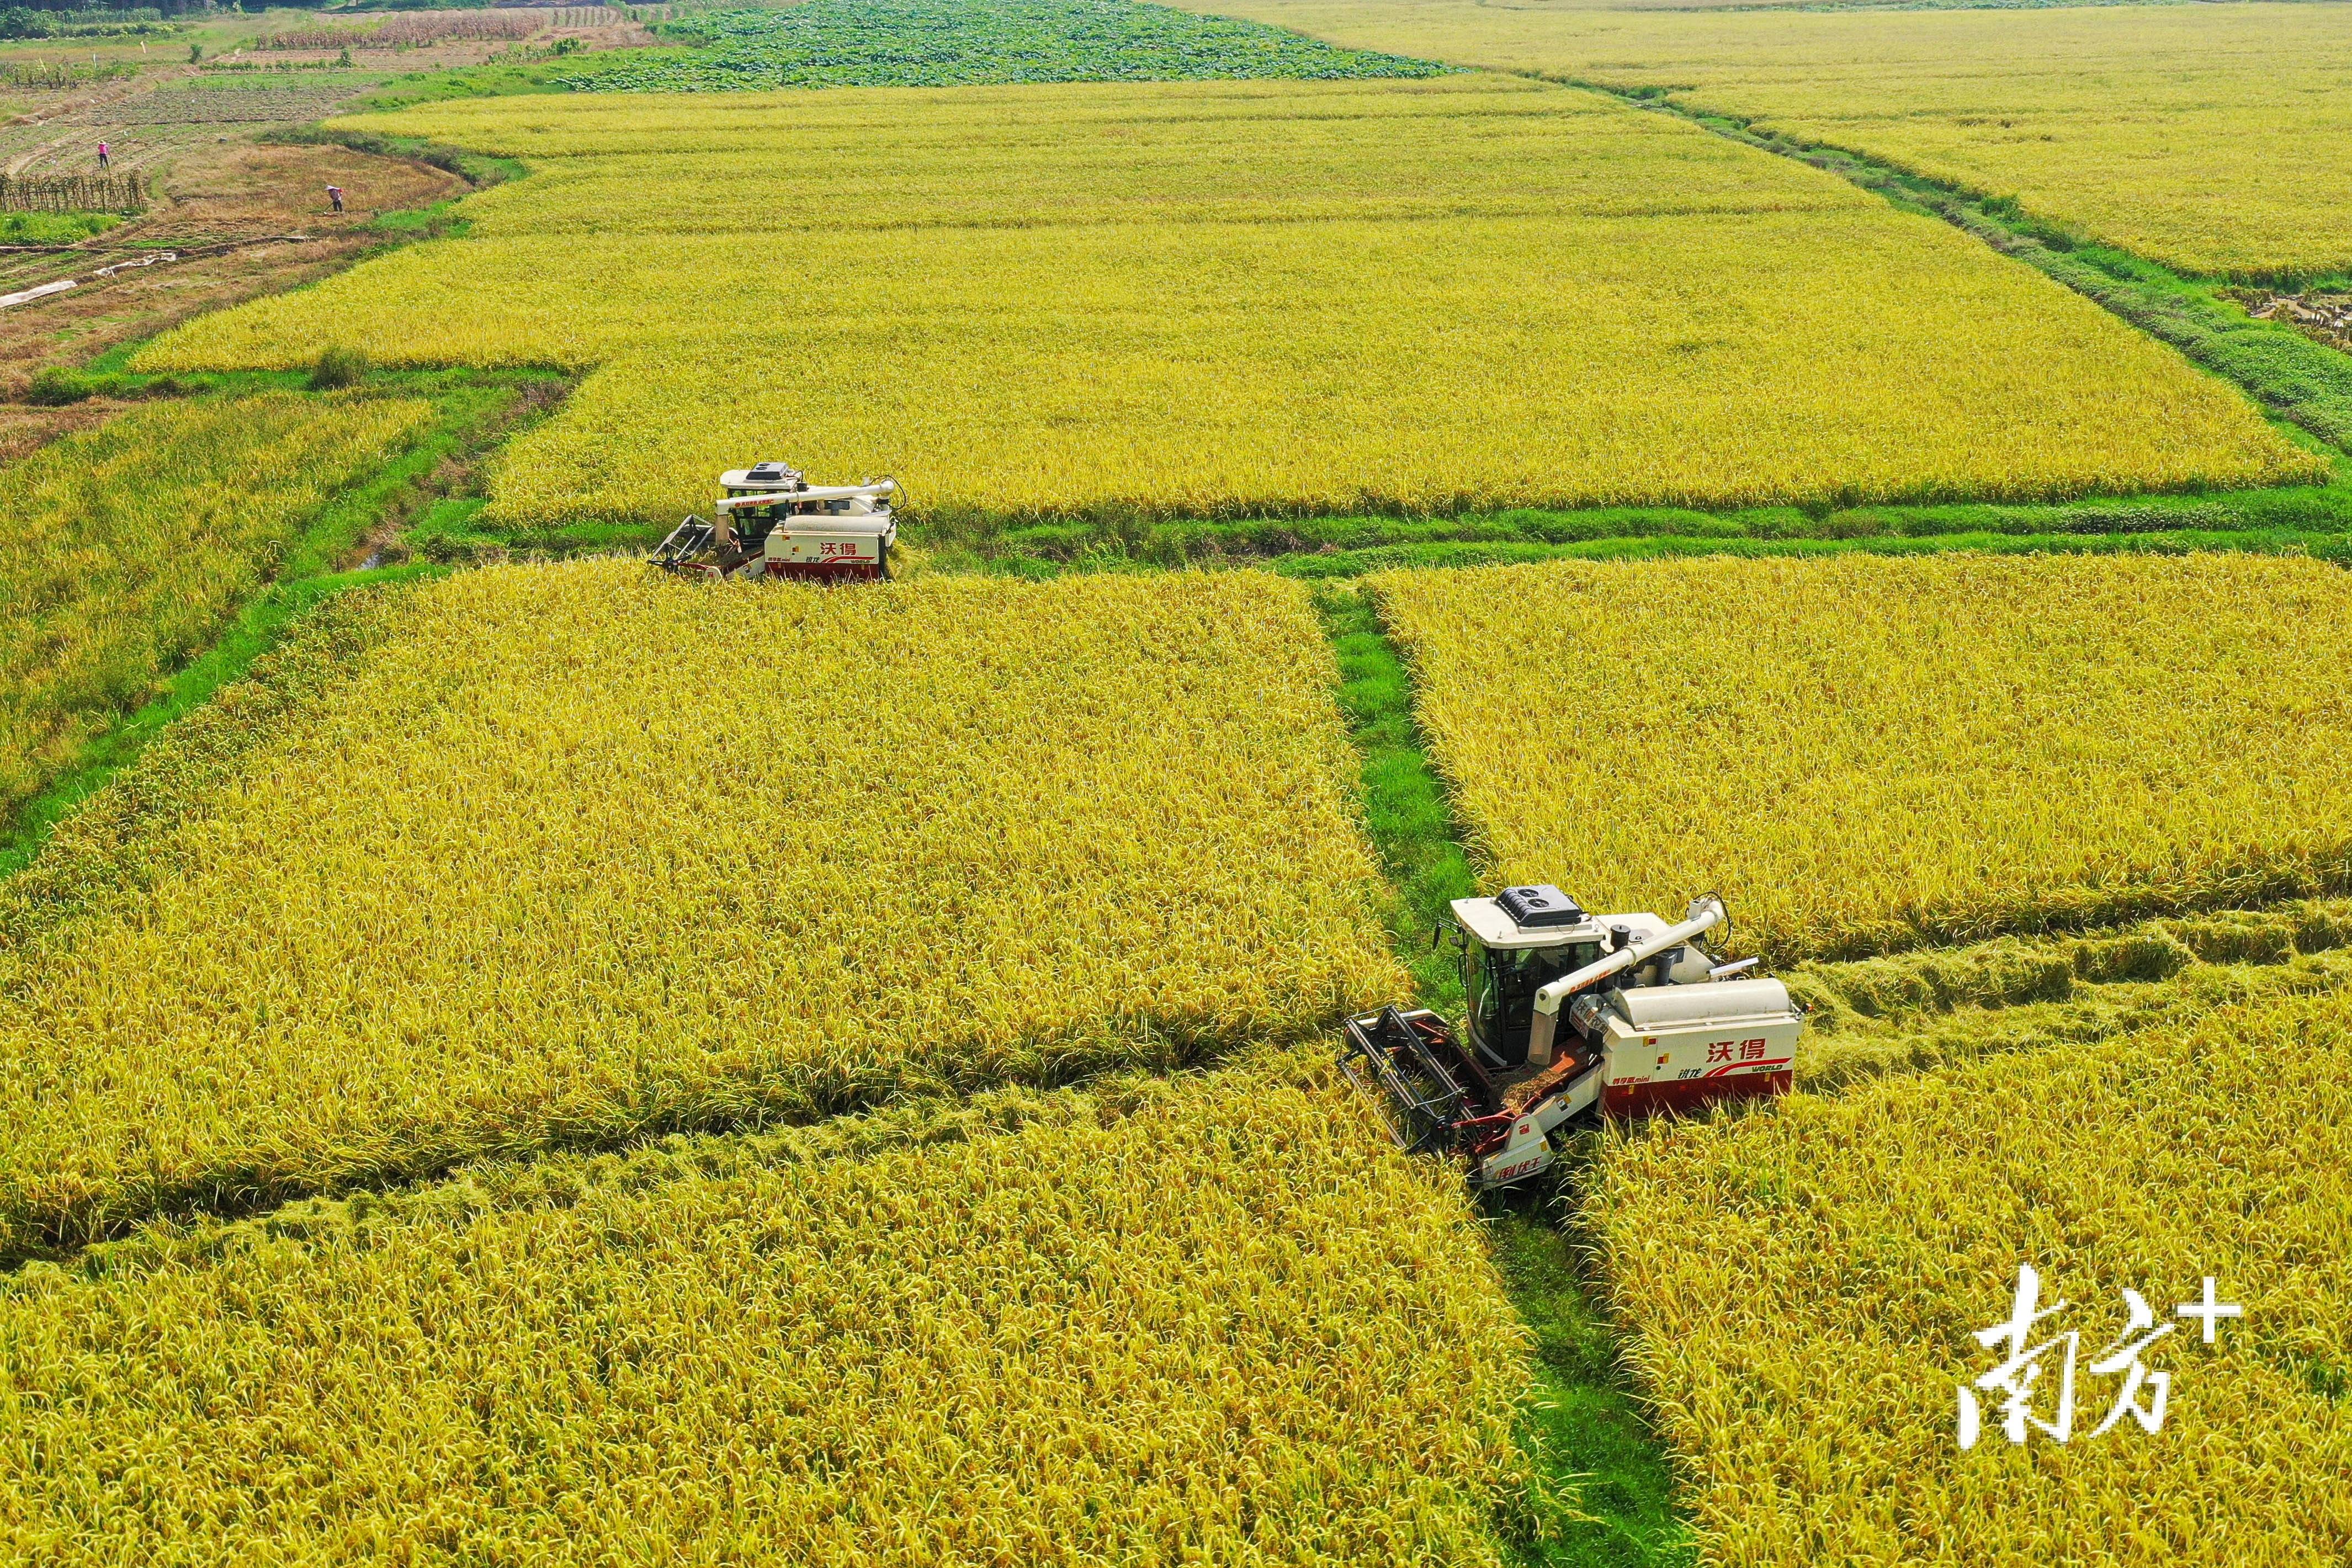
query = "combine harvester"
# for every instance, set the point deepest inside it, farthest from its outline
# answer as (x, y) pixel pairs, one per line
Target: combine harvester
(1619, 1014)
(773, 522)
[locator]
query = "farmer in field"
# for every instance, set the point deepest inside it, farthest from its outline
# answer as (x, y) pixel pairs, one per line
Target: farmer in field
(103, 160)
(335, 195)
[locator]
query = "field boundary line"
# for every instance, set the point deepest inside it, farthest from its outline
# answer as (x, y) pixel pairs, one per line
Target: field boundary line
(1604, 1487)
(467, 419)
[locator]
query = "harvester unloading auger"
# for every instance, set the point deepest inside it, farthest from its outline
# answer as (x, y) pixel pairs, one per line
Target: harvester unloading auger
(773, 522)
(1569, 1012)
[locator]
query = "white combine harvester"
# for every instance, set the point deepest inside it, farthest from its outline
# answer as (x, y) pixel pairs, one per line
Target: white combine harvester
(1621, 1014)
(773, 522)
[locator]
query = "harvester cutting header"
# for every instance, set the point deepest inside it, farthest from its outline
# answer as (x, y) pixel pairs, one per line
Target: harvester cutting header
(773, 522)
(1569, 1012)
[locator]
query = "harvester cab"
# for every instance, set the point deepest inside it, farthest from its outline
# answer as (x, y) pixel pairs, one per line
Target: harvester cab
(773, 522)
(1569, 1013)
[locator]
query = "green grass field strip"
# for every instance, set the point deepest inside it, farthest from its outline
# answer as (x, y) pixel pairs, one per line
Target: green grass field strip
(1406, 813)
(2332, 546)
(1337, 565)
(1591, 1440)
(2306, 382)
(470, 410)
(2313, 518)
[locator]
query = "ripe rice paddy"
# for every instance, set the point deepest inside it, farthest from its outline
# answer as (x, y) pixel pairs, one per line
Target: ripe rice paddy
(1253, 299)
(1803, 1291)
(576, 854)
(128, 547)
(501, 871)
(1221, 1322)
(2212, 138)
(1866, 754)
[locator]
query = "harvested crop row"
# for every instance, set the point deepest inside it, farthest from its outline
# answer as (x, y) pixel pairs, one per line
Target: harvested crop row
(1805, 1288)
(126, 548)
(1222, 299)
(1932, 1006)
(1223, 1323)
(1864, 754)
(578, 852)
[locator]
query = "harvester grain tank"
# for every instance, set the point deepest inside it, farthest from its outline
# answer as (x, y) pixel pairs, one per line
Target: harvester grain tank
(773, 522)
(1569, 1014)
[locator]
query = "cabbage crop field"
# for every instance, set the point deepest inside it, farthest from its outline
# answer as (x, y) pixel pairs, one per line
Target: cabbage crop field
(833, 1051)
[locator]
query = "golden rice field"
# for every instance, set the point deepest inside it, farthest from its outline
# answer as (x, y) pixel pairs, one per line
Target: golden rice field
(2211, 137)
(1219, 1323)
(1803, 1291)
(1235, 298)
(573, 853)
(1864, 753)
(125, 548)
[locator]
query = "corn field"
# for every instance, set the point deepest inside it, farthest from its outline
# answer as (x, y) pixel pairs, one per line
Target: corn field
(1217, 1322)
(125, 192)
(127, 548)
(1866, 754)
(1803, 1291)
(576, 854)
(1092, 302)
(22, 73)
(412, 30)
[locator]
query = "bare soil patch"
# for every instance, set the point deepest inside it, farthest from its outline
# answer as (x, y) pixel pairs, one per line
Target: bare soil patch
(231, 194)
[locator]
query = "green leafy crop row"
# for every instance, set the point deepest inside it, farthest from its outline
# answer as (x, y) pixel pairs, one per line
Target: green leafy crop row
(946, 43)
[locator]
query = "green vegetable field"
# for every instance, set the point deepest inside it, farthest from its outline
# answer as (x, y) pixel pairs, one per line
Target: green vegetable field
(948, 43)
